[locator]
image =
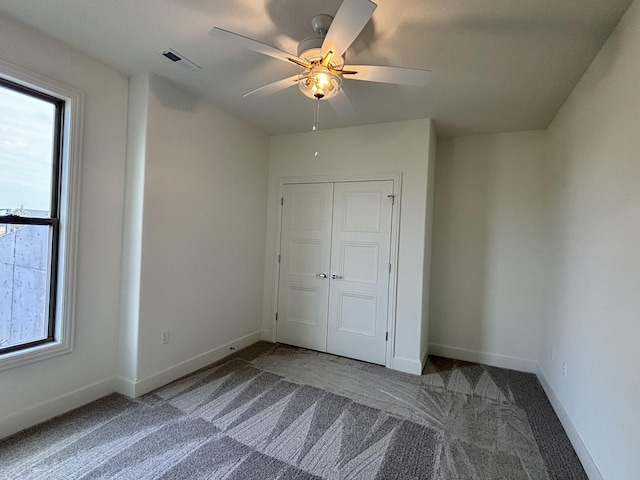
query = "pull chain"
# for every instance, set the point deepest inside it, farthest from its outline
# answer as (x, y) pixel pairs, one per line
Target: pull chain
(316, 123)
(316, 116)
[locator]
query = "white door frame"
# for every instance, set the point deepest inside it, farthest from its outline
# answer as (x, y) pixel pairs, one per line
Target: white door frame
(396, 177)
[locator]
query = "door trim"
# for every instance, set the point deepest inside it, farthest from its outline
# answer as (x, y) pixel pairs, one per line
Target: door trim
(396, 177)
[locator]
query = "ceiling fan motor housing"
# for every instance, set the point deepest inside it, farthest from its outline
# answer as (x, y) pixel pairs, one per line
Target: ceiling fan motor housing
(321, 24)
(310, 49)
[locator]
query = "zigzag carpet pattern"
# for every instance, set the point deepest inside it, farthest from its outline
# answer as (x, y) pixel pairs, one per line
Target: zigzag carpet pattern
(251, 416)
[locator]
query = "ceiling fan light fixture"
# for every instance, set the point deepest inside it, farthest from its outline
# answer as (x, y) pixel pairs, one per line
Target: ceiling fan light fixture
(319, 83)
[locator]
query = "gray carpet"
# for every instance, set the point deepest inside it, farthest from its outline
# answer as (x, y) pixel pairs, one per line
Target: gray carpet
(259, 415)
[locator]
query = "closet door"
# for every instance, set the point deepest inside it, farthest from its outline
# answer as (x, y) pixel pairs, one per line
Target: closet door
(304, 265)
(359, 287)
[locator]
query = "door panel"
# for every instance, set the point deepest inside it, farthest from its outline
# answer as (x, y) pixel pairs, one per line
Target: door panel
(305, 253)
(358, 296)
(354, 313)
(305, 257)
(360, 210)
(359, 262)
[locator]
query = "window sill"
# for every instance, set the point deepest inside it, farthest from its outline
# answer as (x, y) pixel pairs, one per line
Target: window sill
(20, 358)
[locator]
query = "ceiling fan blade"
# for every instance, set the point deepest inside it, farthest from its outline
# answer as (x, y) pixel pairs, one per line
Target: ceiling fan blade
(396, 75)
(341, 104)
(275, 86)
(251, 44)
(349, 21)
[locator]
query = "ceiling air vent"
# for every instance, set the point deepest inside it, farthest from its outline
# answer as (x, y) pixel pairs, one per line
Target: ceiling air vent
(179, 59)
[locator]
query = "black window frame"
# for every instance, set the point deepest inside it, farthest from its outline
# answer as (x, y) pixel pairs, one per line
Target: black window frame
(53, 221)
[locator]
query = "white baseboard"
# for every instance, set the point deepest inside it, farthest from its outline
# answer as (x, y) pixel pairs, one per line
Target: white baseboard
(424, 355)
(585, 457)
(491, 359)
(135, 389)
(41, 412)
(125, 386)
(407, 365)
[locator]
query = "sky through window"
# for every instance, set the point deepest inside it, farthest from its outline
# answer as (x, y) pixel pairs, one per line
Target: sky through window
(26, 151)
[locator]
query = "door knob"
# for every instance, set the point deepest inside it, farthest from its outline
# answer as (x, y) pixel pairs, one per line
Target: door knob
(336, 277)
(321, 275)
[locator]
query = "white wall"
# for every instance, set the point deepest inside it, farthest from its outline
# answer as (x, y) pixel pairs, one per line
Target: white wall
(40, 390)
(202, 238)
(592, 206)
(393, 147)
(486, 267)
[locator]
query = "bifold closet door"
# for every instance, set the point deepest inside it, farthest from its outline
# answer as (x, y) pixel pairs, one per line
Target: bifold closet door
(334, 268)
(304, 264)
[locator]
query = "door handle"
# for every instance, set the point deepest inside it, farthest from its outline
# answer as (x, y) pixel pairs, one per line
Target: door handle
(336, 277)
(321, 275)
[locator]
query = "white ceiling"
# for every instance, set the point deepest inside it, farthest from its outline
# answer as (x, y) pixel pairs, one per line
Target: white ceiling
(498, 65)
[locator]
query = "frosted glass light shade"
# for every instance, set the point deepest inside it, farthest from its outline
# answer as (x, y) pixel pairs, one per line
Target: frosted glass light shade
(319, 83)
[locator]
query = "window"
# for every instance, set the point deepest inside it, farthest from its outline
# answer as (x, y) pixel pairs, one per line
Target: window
(38, 185)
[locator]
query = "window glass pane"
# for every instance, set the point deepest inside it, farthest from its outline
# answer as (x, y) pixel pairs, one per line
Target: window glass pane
(27, 136)
(24, 283)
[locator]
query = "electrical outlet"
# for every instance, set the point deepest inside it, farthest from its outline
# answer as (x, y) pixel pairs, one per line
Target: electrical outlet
(165, 337)
(564, 369)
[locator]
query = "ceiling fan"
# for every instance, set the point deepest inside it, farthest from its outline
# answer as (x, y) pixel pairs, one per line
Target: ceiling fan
(322, 57)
